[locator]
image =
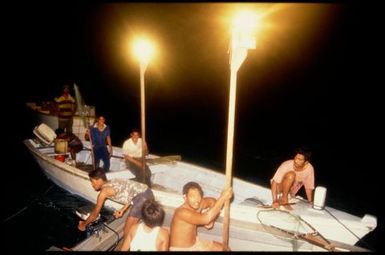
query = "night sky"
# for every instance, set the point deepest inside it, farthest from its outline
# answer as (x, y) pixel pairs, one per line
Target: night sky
(313, 79)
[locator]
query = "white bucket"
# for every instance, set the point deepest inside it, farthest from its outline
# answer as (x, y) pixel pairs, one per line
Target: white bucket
(319, 198)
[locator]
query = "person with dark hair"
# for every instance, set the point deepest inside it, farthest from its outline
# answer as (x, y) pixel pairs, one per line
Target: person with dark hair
(100, 138)
(148, 235)
(195, 211)
(290, 176)
(65, 105)
(132, 153)
(75, 145)
(123, 191)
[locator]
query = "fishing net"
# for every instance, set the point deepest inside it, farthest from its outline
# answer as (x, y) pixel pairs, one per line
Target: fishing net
(290, 227)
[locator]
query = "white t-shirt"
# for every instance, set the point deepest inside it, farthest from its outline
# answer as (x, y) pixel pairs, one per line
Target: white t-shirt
(143, 241)
(131, 149)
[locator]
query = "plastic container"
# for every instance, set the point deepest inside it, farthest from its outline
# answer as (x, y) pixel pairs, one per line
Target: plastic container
(319, 198)
(61, 146)
(61, 158)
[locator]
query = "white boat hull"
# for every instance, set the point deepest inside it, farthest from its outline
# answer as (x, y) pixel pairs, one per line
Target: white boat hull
(246, 231)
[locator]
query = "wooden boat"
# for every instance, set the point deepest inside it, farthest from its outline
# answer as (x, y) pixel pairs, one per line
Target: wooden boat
(253, 225)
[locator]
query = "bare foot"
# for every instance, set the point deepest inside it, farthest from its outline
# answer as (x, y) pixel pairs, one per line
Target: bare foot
(285, 203)
(275, 205)
(287, 207)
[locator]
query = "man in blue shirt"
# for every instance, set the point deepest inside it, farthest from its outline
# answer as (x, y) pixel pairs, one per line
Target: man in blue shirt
(100, 138)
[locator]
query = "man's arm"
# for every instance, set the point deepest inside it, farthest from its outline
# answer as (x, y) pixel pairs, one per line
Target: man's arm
(119, 213)
(109, 145)
(95, 212)
(132, 160)
(164, 240)
(309, 195)
(197, 218)
(87, 134)
(206, 204)
(128, 238)
(145, 149)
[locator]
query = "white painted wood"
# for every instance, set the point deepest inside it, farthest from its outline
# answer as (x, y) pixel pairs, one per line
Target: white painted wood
(246, 232)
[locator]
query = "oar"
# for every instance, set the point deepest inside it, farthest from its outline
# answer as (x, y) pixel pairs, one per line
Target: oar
(164, 160)
(271, 206)
(92, 148)
(242, 39)
(160, 160)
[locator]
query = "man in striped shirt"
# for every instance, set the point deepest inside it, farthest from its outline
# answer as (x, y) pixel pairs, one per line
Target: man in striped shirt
(66, 109)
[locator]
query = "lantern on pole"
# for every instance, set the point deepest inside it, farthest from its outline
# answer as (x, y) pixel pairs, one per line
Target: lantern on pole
(243, 38)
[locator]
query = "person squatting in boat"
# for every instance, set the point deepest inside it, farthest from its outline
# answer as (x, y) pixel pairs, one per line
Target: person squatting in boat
(290, 176)
(75, 145)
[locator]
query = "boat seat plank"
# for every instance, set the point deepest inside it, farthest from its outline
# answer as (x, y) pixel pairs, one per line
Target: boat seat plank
(85, 167)
(163, 188)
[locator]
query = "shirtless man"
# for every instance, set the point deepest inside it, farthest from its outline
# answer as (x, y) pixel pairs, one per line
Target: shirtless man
(290, 176)
(195, 211)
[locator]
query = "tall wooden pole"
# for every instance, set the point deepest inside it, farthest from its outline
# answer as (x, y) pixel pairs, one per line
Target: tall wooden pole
(143, 66)
(237, 56)
(229, 153)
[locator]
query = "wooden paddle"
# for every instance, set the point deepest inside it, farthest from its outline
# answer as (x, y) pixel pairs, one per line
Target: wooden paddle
(164, 160)
(160, 160)
(271, 206)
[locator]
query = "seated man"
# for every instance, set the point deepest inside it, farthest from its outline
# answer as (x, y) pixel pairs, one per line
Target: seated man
(195, 211)
(148, 235)
(75, 145)
(132, 153)
(290, 176)
(126, 192)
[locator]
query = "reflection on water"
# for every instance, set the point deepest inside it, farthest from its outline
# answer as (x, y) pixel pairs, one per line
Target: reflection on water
(49, 220)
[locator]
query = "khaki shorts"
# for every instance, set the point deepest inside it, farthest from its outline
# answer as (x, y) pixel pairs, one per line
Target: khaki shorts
(200, 245)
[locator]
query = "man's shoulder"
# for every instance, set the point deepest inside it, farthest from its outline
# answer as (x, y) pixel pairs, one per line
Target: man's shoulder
(309, 167)
(287, 163)
(163, 231)
(107, 191)
(182, 209)
(127, 141)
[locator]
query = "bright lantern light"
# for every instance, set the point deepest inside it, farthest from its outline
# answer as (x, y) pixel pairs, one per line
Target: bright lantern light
(244, 30)
(143, 50)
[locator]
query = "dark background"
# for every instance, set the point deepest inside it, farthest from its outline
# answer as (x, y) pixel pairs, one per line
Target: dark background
(313, 80)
